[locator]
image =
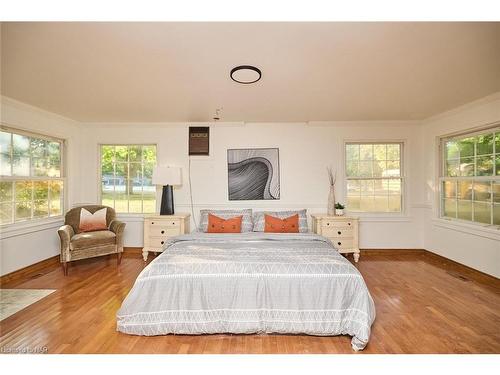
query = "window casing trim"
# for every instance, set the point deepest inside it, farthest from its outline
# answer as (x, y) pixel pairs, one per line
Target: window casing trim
(441, 170)
(99, 177)
(29, 133)
(404, 176)
(25, 225)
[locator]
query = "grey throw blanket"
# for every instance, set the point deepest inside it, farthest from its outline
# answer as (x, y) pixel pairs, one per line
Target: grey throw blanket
(249, 283)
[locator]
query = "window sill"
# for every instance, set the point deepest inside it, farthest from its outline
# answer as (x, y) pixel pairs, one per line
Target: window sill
(390, 218)
(27, 227)
(131, 218)
(486, 231)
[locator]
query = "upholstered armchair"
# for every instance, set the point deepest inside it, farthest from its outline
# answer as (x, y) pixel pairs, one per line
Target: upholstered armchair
(76, 245)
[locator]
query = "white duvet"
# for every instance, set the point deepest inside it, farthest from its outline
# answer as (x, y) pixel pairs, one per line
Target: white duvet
(249, 283)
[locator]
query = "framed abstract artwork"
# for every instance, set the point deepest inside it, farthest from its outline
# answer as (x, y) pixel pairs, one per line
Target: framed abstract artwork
(253, 174)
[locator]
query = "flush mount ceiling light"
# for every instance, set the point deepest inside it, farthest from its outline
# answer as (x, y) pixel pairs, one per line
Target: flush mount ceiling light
(245, 74)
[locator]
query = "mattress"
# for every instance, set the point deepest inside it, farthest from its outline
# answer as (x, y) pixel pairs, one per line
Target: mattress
(249, 283)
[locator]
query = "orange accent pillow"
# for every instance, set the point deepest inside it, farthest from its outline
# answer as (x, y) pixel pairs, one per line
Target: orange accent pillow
(219, 225)
(276, 225)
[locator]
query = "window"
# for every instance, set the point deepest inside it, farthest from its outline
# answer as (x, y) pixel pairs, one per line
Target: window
(470, 177)
(32, 181)
(126, 172)
(374, 177)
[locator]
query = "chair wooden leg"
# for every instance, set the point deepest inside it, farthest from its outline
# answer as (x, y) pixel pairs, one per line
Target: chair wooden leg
(119, 258)
(65, 268)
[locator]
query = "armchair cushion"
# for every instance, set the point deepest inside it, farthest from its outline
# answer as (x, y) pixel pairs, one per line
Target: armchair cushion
(92, 239)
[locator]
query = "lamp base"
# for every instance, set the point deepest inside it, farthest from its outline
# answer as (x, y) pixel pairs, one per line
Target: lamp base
(167, 200)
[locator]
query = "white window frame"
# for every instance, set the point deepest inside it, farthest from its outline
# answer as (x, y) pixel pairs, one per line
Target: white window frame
(492, 128)
(37, 220)
(99, 180)
(403, 177)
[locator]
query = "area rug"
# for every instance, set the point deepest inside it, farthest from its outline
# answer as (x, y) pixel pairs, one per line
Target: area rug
(14, 300)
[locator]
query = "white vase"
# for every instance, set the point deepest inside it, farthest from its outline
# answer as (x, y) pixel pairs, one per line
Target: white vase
(339, 212)
(331, 202)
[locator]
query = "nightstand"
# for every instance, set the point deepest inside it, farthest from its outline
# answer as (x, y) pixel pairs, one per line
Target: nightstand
(159, 228)
(341, 230)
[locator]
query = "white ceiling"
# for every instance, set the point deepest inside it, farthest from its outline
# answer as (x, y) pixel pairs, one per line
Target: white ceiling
(127, 72)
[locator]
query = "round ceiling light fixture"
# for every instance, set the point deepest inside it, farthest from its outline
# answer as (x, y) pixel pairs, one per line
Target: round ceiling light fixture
(245, 74)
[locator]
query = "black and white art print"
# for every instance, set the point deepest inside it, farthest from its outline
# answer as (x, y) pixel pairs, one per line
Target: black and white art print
(253, 174)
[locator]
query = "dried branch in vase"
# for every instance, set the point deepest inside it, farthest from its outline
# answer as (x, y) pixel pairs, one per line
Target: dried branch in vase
(332, 176)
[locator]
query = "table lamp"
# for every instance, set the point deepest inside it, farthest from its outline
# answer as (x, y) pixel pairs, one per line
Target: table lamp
(167, 176)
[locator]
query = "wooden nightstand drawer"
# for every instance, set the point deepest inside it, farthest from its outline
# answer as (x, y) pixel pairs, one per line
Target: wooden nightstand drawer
(164, 231)
(342, 231)
(339, 232)
(156, 242)
(342, 243)
(158, 228)
(337, 224)
(164, 223)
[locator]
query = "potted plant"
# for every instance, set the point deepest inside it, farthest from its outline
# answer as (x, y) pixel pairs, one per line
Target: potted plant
(339, 209)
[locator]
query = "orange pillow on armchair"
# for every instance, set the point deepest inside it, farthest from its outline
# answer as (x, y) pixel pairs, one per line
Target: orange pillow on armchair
(275, 225)
(219, 225)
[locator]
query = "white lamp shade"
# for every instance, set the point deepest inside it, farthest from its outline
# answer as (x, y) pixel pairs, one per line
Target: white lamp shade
(163, 175)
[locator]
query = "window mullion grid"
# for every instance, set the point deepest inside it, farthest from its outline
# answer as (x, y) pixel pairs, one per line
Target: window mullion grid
(492, 203)
(490, 179)
(474, 182)
(473, 203)
(127, 181)
(114, 177)
(13, 202)
(32, 183)
(49, 198)
(401, 182)
(31, 179)
(494, 155)
(128, 178)
(376, 178)
(32, 199)
(373, 178)
(11, 154)
(492, 207)
(31, 175)
(142, 178)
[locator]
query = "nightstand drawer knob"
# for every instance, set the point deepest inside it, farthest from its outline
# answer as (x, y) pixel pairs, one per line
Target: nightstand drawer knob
(152, 222)
(339, 232)
(348, 223)
(162, 232)
(327, 223)
(339, 243)
(173, 222)
(162, 242)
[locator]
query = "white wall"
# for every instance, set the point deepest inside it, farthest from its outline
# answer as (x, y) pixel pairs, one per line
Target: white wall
(305, 152)
(22, 245)
(473, 246)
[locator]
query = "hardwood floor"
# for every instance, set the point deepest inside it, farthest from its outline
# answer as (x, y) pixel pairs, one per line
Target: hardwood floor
(424, 305)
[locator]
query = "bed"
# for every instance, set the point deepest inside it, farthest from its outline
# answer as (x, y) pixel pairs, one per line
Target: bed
(246, 283)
